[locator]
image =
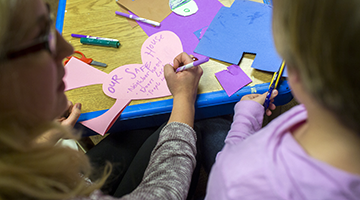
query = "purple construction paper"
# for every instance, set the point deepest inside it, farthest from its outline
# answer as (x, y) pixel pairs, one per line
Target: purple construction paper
(232, 79)
(245, 27)
(203, 32)
(200, 33)
(185, 27)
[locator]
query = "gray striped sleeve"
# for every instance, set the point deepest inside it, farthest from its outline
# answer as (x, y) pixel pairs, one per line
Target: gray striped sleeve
(171, 165)
(170, 169)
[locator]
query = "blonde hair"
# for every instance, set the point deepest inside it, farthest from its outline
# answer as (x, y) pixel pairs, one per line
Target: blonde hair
(29, 171)
(320, 40)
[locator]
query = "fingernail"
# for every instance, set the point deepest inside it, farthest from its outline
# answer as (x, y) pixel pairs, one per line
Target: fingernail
(78, 106)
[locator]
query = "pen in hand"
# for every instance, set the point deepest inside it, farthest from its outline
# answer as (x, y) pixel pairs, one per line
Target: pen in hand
(190, 65)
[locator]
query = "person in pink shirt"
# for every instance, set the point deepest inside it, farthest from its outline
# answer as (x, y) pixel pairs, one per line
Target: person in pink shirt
(313, 150)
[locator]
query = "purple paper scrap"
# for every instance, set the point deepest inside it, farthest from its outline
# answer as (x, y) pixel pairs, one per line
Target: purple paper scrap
(232, 79)
(200, 33)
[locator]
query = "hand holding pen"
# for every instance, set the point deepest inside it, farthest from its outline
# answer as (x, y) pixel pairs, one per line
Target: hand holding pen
(183, 86)
(192, 64)
(186, 82)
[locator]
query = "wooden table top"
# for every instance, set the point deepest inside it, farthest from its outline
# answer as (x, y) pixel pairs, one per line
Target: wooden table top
(97, 18)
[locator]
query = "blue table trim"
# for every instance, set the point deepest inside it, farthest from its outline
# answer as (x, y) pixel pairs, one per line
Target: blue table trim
(203, 100)
(60, 16)
(208, 105)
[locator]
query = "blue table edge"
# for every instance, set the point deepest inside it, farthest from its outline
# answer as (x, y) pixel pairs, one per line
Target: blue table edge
(211, 99)
(59, 24)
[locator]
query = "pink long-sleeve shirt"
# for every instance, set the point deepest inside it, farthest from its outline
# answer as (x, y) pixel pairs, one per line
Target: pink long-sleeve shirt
(269, 164)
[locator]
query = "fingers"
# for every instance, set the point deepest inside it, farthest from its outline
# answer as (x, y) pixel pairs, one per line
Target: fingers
(197, 69)
(73, 116)
(260, 98)
(275, 92)
(182, 59)
(168, 70)
(67, 111)
(249, 97)
(272, 106)
(273, 95)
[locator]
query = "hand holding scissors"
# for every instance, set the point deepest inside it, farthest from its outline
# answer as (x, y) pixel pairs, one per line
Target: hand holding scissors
(273, 84)
(89, 61)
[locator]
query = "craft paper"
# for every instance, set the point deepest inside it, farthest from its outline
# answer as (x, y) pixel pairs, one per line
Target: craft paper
(80, 75)
(183, 7)
(232, 79)
(156, 10)
(129, 82)
(244, 27)
(200, 33)
(203, 32)
(185, 27)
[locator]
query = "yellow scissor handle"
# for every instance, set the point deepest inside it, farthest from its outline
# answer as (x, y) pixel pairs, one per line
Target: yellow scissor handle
(279, 73)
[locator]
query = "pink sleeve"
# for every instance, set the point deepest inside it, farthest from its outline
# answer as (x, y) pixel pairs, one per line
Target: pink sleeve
(248, 119)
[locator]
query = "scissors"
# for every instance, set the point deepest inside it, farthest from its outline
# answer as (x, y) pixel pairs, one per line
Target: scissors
(274, 83)
(89, 61)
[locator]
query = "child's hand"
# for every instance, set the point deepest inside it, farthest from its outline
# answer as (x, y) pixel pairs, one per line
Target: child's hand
(260, 98)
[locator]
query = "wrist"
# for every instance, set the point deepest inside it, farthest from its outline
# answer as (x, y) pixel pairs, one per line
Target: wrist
(183, 111)
(185, 98)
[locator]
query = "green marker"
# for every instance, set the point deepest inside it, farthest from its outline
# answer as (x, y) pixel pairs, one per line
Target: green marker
(100, 42)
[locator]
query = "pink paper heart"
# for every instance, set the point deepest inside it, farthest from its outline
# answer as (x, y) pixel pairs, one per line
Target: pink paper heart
(130, 82)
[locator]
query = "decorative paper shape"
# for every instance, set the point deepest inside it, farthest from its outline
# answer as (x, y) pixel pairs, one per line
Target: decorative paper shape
(80, 75)
(232, 79)
(203, 32)
(156, 10)
(200, 33)
(183, 7)
(128, 82)
(197, 33)
(185, 27)
(244, 27)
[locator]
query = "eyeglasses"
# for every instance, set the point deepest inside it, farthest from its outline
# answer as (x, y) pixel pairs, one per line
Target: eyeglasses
(48, 42)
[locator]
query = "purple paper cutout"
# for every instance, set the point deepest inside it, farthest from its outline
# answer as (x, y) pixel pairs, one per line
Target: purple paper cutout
(185, 27)
(203, 32)
(245, 27)
(200, 33)
(232, 79)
